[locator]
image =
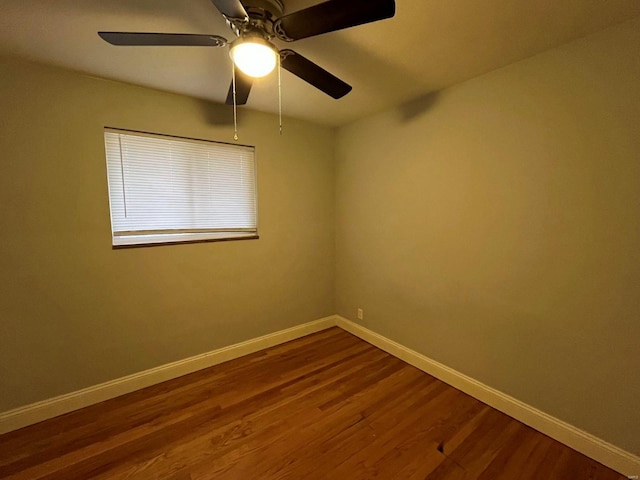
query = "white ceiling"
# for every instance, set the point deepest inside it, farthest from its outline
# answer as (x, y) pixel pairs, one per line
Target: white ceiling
(428, 45)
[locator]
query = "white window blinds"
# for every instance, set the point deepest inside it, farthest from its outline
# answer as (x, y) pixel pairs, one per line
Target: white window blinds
(165, 189)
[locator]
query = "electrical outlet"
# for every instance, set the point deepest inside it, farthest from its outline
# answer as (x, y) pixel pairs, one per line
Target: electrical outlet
(360, 314)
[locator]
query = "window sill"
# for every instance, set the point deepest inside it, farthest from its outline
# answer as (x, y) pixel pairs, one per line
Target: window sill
(177, 239)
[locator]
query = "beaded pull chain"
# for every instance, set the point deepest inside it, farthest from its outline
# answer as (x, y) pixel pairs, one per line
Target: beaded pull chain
(280, 92)
(235, 106)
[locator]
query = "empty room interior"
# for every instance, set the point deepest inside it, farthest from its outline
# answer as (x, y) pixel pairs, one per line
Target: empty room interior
(288, 239)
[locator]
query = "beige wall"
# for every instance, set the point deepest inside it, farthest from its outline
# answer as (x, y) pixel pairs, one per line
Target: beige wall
(495, 227)
(74, 312)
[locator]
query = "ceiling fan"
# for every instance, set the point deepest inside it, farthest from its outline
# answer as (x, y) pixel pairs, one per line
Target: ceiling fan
(256, 23)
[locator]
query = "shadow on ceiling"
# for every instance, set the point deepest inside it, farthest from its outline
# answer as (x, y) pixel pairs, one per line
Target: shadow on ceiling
(417, 106)
(201, 15)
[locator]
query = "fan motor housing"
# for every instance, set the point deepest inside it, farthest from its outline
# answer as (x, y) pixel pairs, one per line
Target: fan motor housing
(273, 7)
(262, 17)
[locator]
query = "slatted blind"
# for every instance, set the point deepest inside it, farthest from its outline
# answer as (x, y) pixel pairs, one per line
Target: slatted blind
(167, 189)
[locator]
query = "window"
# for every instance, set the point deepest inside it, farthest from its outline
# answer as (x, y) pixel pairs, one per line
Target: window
(167, 190)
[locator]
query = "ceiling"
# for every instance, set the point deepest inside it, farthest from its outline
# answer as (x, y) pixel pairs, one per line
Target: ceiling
(427, 46)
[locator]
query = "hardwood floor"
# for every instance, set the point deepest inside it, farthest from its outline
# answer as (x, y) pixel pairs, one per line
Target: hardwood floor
(327, 406)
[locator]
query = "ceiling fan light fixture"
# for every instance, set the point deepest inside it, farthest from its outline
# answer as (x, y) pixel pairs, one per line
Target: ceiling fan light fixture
(254, 56)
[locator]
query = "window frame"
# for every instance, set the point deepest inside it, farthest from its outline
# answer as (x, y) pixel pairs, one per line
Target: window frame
(161, 237)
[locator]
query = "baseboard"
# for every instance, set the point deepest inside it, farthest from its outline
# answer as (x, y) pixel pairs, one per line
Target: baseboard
(581, 441)
(37, 412)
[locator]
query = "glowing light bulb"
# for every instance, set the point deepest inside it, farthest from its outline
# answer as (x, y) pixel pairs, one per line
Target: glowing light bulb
(254, 56)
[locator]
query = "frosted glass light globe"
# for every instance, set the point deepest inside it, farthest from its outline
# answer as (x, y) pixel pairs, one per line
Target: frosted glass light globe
(254, 58)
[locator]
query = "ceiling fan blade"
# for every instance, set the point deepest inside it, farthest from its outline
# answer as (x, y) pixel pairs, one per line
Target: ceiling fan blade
(331, 16)
(162, 39)
(313, 74)
(243, 87)
(231, 9)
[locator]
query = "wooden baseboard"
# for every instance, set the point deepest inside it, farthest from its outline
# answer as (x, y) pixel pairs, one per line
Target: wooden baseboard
(37, 412)
(581, 441)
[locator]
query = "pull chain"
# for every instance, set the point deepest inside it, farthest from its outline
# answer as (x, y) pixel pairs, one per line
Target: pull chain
(235, 108)
(280, 92)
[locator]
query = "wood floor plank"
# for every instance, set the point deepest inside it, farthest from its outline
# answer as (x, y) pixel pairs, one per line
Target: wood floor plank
(264, 420)
(232, 432)
(125, 412)
(326, 406)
